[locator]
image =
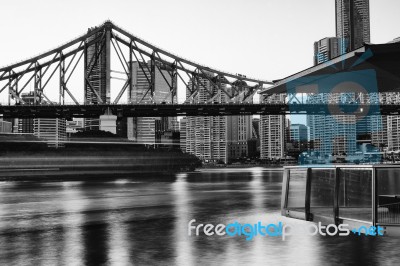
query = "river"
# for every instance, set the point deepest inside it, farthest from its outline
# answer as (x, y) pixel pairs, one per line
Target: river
(134, 221)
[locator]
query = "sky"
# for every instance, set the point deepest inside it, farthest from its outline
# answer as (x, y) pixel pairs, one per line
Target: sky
(265, 39)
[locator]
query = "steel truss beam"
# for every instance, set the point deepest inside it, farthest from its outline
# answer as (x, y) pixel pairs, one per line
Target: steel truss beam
(37, 69)
(200, 69)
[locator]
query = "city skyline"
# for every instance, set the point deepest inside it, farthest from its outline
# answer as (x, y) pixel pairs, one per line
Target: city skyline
(343, 34)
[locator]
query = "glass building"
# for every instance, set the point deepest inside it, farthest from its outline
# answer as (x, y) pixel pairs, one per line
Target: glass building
(352, 23)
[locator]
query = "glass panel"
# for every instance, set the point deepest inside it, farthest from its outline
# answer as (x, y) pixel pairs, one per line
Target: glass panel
(355, 194)
(322, 191)
(388, 181)
(297, 189)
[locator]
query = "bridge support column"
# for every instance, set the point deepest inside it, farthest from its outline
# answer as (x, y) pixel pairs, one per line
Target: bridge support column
(9, 88)
(38, 85)
(152, 76)
(62, 80)
(108, 62)
(130, 68)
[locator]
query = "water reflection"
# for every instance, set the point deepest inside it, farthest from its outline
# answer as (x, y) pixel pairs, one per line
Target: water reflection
(138, 222)
(73, 203)
(183, 246)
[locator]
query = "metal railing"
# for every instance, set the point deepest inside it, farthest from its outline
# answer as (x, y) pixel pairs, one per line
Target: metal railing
(389, 213)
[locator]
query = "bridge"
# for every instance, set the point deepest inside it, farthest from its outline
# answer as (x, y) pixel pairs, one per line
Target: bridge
(91, 57)
(75, 80)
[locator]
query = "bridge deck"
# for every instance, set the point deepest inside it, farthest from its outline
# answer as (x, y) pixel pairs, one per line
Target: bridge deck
(165, 110)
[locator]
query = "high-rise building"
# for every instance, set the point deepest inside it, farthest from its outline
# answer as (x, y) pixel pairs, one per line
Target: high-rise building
(272, 132)
(255, 123)
(296, 139)
(147, 130)
(254, 143)
(298, 132)
(182, 130)
(332, 134)
(327, 49)
(97, 84)
(352, 23)
(239, 129)
(337, 134)
(393, 123)
(352, 31)
(206, 136)
(390, 124)
(53, 130)
(379, 131)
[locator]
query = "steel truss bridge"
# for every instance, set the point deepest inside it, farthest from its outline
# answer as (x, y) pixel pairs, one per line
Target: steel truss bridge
(50, 73)
(88, 58)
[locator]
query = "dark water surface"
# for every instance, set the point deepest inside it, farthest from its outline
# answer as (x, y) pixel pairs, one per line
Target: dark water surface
(139, 222)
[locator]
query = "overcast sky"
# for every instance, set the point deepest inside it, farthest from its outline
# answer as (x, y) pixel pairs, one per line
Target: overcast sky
(266, 39)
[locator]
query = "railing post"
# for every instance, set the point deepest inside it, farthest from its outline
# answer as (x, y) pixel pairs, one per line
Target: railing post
(336, 196)
(307, 206)
(374, 196)
(285, 184)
